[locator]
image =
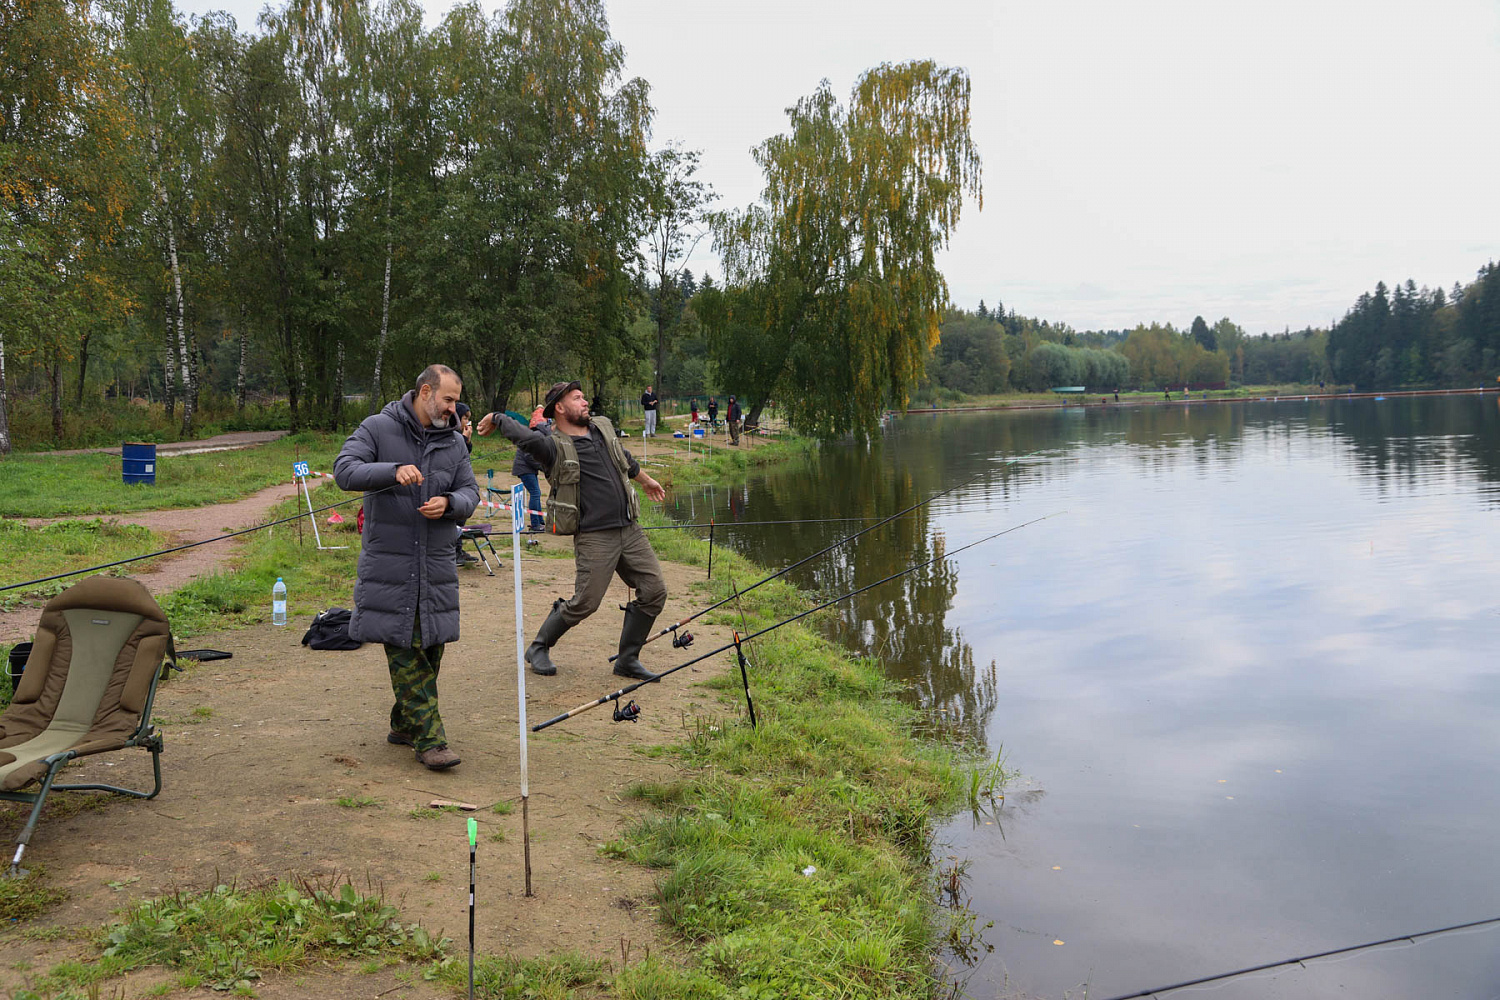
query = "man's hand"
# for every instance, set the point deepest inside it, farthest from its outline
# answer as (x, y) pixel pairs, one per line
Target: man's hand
(408, 475)
(485, 425)
(653, 489)
(434, 508)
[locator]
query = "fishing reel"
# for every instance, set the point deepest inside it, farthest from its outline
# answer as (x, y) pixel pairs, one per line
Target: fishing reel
(682, 641)
(628, 712)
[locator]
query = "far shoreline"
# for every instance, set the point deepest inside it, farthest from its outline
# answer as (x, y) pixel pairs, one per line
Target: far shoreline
(1105, 401)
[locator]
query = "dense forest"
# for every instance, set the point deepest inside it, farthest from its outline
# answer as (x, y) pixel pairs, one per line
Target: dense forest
(196, 218)
(1410, 338)
(208, 226)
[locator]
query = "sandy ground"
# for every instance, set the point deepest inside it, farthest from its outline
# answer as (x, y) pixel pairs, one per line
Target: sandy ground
(259, 749)
(194, 524)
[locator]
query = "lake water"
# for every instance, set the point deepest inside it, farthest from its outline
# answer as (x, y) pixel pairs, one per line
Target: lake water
(1246, 675)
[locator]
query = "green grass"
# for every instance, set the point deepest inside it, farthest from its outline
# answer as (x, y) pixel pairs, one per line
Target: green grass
(229, 937)
(31, 553)
(315, 579)
(796, 856)
(27, 896)
(102, 423)
(359, 802)
(68, 485)
(508, 977)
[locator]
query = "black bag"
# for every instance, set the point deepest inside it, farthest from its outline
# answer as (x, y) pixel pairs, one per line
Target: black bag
(330, 630)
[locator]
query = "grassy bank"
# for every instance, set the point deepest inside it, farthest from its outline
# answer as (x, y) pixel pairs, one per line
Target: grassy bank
(792, 857)
(68, 485)
(32, 553)
(796, 854)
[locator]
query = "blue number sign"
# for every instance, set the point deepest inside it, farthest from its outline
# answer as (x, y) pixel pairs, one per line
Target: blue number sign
(300, 469)
(517, 508)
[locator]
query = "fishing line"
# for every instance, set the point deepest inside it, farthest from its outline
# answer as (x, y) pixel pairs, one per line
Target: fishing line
(616, 695)
(1409, 938)
(823, 551)
(233, 534)
(794, 520)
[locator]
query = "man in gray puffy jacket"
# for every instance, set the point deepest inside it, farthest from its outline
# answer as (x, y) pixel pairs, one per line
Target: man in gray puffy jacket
(416, 471)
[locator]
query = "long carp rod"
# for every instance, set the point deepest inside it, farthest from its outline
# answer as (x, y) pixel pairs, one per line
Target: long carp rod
(757, 524)
(1416, 938)
(671, 629)
(630, 711)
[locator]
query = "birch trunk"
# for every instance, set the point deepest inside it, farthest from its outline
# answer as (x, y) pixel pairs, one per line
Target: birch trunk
(169, 389)
(4, 402)
(188, 365)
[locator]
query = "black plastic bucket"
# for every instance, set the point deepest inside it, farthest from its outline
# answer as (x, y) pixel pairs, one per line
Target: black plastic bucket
(18, 656)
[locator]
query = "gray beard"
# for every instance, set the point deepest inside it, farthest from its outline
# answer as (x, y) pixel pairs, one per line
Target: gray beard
(441, 423)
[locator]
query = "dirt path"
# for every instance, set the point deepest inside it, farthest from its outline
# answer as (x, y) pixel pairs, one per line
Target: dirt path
(261, 747)
(192, 524)
(219, 442)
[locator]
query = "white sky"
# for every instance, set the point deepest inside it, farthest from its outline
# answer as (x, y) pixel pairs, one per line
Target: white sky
(1143, 161)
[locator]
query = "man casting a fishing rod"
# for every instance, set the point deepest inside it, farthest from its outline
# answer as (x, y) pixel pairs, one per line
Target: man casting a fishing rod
(588, 474)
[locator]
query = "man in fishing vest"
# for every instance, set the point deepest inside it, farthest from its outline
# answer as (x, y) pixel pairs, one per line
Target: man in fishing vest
(590, 498)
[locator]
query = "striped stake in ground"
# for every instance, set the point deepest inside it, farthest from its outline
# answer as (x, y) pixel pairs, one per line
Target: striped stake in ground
(518, 517)
(473, 842)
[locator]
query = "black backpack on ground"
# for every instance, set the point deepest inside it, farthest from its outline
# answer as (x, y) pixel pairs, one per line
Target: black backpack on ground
(330, 630)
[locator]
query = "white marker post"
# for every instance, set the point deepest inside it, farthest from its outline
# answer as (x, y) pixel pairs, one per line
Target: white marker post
(517, 522)
(300, 473)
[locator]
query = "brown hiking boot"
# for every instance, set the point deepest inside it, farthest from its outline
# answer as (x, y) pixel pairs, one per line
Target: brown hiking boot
(400, 739)
(437, 758)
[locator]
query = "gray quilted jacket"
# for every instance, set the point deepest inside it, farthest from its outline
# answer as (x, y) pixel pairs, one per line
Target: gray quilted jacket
(407, 561)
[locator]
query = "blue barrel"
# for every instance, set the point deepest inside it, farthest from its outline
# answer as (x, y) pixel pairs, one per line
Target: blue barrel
(138, 462)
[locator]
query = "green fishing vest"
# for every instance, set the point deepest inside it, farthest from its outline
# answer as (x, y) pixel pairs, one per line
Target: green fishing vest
(564, 478)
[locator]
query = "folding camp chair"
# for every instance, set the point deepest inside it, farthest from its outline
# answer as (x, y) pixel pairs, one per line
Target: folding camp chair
(479, 534)
(87, 688)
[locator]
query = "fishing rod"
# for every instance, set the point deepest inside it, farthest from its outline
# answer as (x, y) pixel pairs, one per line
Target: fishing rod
(630, 711)
(680, 642)
(233, 534)
(741, 524)
(1412, 938)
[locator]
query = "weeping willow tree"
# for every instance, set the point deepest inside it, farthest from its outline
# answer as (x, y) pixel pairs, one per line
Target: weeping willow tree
(832, 294)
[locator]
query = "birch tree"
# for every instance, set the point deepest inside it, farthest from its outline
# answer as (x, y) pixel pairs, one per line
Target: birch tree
(676, 225)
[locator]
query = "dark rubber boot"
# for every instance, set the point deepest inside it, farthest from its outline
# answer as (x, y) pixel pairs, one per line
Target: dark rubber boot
(632, 637)
(537, 654)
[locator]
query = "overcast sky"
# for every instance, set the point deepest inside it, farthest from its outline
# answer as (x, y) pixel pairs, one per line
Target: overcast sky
(1143, 161)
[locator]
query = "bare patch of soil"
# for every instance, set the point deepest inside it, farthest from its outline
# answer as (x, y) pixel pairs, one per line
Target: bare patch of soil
(261, 747)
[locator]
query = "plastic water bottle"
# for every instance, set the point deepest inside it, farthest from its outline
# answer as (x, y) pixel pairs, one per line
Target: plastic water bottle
(278, 603)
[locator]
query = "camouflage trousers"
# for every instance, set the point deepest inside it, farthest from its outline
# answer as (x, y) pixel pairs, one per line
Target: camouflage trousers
(414, 674)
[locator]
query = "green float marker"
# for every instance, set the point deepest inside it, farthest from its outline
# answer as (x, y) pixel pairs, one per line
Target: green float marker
(473, 841)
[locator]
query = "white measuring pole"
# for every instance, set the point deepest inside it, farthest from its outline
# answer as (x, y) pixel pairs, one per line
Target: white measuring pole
(517, 522)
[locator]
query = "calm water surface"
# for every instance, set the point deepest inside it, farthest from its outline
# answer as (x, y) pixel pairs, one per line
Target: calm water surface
(1247, 677)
